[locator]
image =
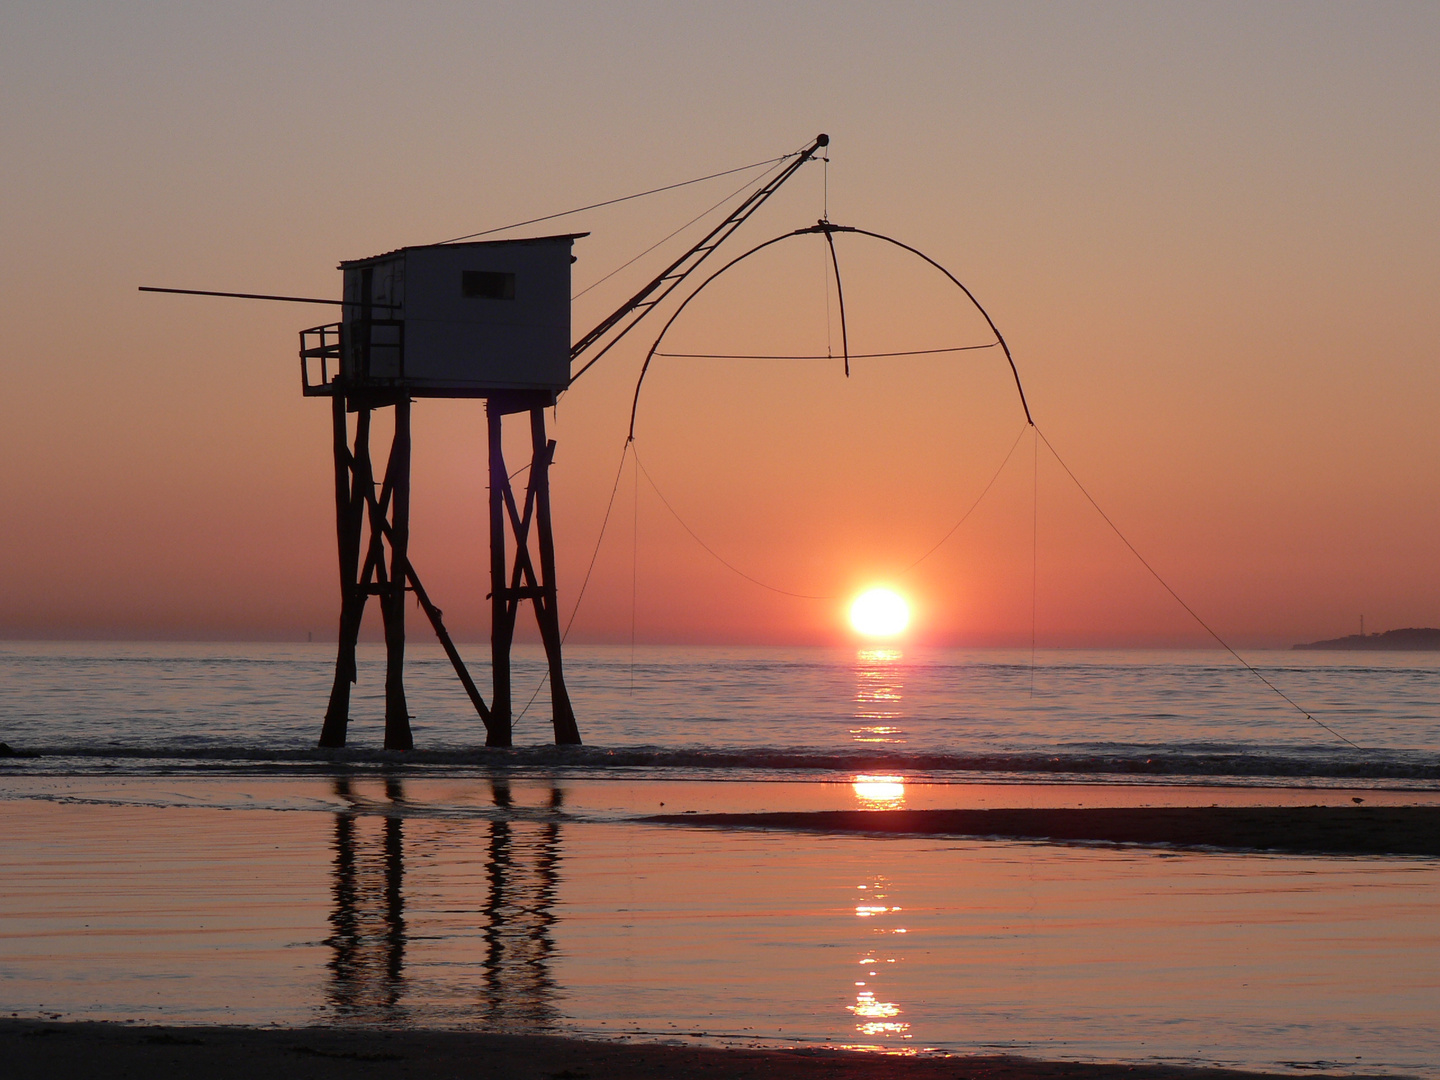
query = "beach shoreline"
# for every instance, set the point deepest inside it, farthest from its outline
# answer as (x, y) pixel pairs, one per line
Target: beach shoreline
(1300, 830)
(98, 1050)
(560, 906)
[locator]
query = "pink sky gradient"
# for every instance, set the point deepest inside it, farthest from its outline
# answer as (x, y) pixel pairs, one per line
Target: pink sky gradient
(1210, 235)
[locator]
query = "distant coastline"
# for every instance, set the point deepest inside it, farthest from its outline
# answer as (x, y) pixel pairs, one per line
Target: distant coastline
(1411, 639)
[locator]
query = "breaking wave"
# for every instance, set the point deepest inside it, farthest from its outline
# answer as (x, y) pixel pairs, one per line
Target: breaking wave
(1178, 764)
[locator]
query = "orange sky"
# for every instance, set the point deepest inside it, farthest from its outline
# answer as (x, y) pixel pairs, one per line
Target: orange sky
(1209, 234)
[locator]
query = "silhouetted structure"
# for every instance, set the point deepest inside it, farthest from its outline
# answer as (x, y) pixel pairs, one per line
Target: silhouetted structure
(523, 874)
(369, 926)
(487, 320)
(484, 320)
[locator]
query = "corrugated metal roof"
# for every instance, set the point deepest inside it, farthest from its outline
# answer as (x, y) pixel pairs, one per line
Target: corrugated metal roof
(467, 244)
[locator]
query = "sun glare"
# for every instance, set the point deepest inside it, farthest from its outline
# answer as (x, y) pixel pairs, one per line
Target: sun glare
(880, 792)
(879, 613)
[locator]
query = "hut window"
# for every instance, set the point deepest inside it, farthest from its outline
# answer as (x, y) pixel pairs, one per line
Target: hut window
(487, 285)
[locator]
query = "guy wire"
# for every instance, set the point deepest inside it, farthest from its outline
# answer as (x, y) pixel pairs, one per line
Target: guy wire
(612, 202)
(808, 596)
(825, 186)
(1034, 547)
(634, 560)
(973, 506)
(1191, 611)
(619, 471)
(713, 553)
(670, 236)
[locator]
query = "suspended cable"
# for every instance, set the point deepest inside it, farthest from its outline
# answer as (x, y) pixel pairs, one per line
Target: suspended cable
(704, 213)
(973, 506)
(626, 449)
(1191, 611)
(713, 553)
(818, 356)
(634, 559)
(825, 187)
(1034, 545)
(612, 202)
(634, 310)
(828, 229)
(619, 471)
(807, 596)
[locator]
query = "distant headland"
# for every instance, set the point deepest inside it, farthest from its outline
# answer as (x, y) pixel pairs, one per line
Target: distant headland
(1411, 639)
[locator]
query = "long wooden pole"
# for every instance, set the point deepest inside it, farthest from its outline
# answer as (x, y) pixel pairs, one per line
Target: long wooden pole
(397, 713)
(352, 473)
(547, 613)
(502, 622)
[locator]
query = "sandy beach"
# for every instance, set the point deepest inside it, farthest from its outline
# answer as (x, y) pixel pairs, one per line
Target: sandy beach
(770, 919)
(100, 1051)
(1318, 830)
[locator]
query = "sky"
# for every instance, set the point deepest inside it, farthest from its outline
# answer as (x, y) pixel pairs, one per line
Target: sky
(1208, 232)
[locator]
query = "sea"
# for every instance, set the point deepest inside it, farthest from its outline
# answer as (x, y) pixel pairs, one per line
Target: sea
(176, 848)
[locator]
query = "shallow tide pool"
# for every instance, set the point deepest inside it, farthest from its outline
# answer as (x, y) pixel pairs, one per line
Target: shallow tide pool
(536, 904)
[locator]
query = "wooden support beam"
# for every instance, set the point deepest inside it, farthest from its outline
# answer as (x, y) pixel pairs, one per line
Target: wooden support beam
(434, 614)
(502, 618)
(397, 479)
(512, 583)
(350, 469)
(547, 613)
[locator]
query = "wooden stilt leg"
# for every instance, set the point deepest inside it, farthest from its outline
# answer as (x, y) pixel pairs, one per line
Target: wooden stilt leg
(388, 515)
(349, 518)
(502, 622)
(397, 714)
(547, 612)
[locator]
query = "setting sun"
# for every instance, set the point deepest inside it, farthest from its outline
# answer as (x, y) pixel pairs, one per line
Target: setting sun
(879, 613)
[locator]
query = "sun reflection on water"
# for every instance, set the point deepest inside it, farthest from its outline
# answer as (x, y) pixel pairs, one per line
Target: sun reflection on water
(878, 656)
(866, 1005)
(878, 692)
(877, 1018)
(880, 792)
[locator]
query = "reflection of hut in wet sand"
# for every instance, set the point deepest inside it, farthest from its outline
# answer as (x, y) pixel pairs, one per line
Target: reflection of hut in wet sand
(369, 931)
(367, 966)
(522, 872)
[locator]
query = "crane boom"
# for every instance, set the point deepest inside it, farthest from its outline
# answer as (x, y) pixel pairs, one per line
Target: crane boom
(639, 305)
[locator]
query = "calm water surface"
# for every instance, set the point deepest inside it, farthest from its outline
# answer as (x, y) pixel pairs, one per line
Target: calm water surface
(179, 851)
(1117, 713)
(528, 905)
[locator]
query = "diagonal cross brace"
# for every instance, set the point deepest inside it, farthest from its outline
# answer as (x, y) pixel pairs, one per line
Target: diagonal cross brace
(433, 613)
(524, 569)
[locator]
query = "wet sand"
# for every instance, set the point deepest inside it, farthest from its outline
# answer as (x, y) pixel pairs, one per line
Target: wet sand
(401, 906)
(100, 1051)
(1311, 830)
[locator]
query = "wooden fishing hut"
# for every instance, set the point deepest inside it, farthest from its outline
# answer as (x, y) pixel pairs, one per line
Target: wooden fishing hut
(488, 320)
